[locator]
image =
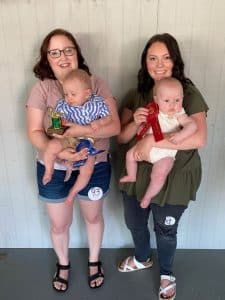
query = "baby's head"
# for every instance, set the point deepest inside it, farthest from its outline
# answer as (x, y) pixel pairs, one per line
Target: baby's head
(168, 94)
(77, 87)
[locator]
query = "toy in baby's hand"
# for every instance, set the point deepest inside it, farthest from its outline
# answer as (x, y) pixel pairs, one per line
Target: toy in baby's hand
(56, 123)
(151, 121)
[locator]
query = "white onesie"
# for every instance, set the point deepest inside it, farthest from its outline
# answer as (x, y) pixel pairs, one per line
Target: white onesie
(168, 124)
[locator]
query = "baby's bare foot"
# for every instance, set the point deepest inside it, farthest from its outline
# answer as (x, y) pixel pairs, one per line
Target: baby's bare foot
(145, 202)
(46, 179)
(69, 201)
(70, 197)
(127, 179)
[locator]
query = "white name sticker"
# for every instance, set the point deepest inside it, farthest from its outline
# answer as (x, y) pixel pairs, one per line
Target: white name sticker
(95, 193)
(170, 221)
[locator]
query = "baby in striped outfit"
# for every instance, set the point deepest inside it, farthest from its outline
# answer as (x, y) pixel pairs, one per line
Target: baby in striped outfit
(82, 107)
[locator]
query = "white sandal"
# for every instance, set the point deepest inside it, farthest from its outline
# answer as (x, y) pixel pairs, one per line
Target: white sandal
(171, 285)
(138, 265)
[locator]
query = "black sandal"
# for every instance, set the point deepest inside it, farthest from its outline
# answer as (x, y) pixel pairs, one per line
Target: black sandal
(59, 279)
(99, 274)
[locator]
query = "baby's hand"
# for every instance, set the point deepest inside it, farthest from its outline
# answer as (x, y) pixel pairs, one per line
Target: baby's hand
(172, 139)
(66, 123)
(175, 138)
(71, 155)
(94, 125)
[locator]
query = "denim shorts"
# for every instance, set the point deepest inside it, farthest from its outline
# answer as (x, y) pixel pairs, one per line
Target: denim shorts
(57, 189)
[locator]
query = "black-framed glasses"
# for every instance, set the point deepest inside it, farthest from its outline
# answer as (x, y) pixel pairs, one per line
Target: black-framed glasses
(55, 53)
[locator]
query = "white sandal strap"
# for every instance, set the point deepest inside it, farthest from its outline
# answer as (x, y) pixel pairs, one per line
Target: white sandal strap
(138, 264)
(168, 277)
(126, 265)
(167, 288)
(131, 264)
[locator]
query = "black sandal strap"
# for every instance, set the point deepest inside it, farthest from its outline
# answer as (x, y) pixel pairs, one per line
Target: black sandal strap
(94, 264)
(95, 276)
(60, 279)
(62, 267)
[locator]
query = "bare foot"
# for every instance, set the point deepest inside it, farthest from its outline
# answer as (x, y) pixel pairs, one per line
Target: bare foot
(70, 198)
(46, 178)
(69, 201)
(127, 179)
(145, 202)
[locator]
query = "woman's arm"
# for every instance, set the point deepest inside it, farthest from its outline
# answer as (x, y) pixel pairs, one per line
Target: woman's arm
(188, 129)
(104, 121)
(36, 132)
(100, 88)
(197, 140)
(110, 129)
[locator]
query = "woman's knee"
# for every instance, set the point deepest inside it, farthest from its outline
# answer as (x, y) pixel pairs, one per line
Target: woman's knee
(93, 219)
(60, 228)
(165, 230)
(166, 219)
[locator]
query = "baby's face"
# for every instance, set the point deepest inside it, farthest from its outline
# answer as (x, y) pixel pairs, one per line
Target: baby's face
(74, 92)
(169, 100)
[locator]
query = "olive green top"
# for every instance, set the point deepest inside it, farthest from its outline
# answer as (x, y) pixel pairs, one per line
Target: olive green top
(184, 179)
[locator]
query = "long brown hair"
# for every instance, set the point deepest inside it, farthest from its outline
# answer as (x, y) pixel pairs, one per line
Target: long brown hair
(42, 68)
(145, 81)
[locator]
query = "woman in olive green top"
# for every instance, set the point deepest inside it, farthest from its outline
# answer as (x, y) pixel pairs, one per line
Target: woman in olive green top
(161, 58)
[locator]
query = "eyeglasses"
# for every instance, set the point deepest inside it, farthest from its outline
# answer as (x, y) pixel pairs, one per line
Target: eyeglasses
(55, 53)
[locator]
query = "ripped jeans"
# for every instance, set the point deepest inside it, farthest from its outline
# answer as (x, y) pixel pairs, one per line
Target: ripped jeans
(165, 220)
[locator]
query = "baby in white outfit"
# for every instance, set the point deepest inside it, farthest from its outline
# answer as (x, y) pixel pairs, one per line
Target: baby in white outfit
(168, 94)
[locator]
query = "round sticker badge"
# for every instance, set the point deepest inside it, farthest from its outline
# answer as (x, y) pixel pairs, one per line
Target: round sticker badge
(95, 193)
(170, 221)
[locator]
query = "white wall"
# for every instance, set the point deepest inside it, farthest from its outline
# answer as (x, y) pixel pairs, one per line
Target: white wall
(112, 35)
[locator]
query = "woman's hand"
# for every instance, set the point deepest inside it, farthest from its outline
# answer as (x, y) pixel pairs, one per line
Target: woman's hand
(71, 155)
(143, 148)
(140, 115)
(130, 122)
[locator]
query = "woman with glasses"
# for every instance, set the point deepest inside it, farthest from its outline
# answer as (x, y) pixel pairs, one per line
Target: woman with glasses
(59, 55)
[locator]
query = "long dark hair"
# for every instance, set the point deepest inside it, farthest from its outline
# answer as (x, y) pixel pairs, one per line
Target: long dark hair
(145, 81)
(42, 68)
